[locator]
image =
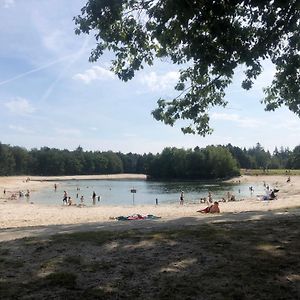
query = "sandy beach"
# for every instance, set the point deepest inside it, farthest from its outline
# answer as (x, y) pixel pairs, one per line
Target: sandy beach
(21, 214)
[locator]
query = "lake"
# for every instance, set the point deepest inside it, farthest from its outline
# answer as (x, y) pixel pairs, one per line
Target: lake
(118, 192)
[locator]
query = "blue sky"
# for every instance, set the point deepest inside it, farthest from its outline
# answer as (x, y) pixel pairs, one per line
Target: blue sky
(50, 95)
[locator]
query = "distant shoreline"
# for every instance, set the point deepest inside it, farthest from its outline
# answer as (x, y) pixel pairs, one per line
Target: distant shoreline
(88, 177)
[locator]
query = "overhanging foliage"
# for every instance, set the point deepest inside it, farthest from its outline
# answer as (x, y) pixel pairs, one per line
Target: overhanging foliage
(210, 39)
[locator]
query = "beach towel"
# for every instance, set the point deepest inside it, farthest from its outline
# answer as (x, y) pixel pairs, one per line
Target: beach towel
(137, 217)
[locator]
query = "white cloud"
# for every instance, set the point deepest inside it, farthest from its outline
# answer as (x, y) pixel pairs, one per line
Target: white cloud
(94, 73)
(20, 106)
(157, 82)
(242, 121)
(54, 40)
(68, 131)
(52, 30)
(291, 125)
(8, 3)
(129, 135)
(20, 129)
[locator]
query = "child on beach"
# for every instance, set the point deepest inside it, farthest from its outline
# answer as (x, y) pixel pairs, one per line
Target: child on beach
(70, 202)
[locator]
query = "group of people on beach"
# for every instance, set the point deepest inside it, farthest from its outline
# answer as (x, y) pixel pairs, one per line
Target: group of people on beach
(213, 206)
(15, 195)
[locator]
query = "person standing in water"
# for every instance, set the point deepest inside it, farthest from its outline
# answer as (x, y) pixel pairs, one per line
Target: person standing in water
(181, 198)
(65, 198)
(210, 199)
(94, 198)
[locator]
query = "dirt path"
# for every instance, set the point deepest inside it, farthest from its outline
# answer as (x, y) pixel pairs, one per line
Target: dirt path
(8, 234)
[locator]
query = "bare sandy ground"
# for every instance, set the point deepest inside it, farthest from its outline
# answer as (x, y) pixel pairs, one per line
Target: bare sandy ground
(14, 214)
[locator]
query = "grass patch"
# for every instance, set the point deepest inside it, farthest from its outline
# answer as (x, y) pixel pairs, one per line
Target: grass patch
(10, 263)
(61, 279)
(52, 263)
(97, 293)
(246, 260)
(96, 237)
(74, 260)
(6, 292)
(99, 266)
(270, 172)
(4, 251)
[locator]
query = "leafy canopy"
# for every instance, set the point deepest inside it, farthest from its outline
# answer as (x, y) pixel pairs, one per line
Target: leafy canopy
(209, 39)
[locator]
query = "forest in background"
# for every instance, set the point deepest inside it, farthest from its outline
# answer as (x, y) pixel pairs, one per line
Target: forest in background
(211, 162)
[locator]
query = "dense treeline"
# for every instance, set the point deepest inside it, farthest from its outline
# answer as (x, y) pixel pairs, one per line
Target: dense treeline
(200, 163)
(258, 158)
(210, 162)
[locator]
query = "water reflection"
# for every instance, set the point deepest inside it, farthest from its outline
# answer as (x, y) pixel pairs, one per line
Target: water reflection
(114, 192)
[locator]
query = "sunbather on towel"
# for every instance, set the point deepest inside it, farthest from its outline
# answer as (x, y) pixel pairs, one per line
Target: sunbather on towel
(211, 209)
(136, 217)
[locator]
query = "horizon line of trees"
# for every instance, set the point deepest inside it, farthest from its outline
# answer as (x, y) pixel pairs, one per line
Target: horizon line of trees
(211, 162)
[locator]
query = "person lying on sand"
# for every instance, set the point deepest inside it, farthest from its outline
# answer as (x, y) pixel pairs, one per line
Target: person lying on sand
(134, 217)
(211, 209)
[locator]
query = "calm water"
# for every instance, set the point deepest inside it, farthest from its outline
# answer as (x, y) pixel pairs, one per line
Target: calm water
(114, 192)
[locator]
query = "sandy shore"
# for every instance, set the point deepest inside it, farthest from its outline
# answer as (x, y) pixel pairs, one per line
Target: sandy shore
(14, 214)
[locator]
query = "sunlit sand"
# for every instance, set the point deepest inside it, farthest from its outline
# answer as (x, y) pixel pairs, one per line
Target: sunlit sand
(20, 213)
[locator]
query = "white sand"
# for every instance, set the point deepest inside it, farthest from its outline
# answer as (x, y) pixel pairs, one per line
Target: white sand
(15, 214)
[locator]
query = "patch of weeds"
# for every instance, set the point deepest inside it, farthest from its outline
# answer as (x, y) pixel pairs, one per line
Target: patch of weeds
(8, 263)
(97, 293)
(4, 251)
(16, 264)
(99, 238)
(128, 272)
(99, 266)
(61, 279)
(174, 287)
(11, 289)
(206, 233)
(40, 248)
(31, 241)
(5, 290)
(74, 260)
(95, 237)
(52, 263)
